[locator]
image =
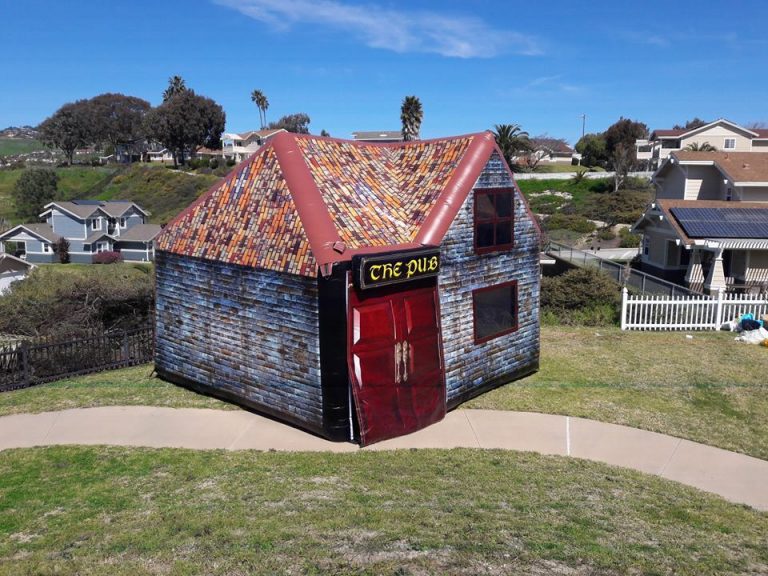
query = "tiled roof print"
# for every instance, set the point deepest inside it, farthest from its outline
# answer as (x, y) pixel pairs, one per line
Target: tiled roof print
(250, 221)
(380, 195)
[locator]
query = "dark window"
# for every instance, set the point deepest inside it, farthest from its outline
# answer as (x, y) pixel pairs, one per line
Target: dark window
(494, 219)
(495, 311)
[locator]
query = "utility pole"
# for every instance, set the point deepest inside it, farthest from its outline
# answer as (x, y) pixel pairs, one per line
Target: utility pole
(583, 126)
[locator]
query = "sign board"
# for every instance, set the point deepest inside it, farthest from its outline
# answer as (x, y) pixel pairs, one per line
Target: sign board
(394, 268)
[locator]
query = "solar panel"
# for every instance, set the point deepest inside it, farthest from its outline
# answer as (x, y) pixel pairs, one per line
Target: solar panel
(723, 222)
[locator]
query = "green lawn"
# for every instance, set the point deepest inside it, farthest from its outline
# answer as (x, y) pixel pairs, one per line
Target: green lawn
(118, 511)
(708, 389)
(13, 146)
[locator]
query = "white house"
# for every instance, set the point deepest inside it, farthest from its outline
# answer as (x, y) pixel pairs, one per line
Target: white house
(11, 270)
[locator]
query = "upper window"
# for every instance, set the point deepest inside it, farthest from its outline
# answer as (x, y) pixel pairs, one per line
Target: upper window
(494, 219)
(729, 143)
(96, 224)
(495, 311)
(123, 222)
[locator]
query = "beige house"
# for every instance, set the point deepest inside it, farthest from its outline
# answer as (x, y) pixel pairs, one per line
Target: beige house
(721, 134)
(238, 147)
(708, 227)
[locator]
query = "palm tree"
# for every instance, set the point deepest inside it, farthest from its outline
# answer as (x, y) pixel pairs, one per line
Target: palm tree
(511, 140)
(411, 115)
(176, 85)
(258, 98)
(703, 147)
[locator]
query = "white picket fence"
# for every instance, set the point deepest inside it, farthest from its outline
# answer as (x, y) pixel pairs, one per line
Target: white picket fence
(646, 312)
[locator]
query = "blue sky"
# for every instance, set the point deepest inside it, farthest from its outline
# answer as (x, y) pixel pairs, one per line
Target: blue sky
(473, 63)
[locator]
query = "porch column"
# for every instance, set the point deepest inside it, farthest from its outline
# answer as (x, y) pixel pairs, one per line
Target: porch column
(694, 274)
(716, 277)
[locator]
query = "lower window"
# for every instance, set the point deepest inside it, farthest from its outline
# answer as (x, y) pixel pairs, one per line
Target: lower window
(495, 311)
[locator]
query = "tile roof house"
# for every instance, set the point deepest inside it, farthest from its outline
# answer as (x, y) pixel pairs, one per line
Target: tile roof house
(357, 290)
(722, 134)
(708, 227)
(90, 226)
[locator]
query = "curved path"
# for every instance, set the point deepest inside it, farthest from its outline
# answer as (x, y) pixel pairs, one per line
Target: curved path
(733, 476)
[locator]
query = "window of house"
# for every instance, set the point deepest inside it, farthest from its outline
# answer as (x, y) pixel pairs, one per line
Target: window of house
(46, 248)
(729, 194)
(494, 311)
(123, 222)
(102, 247)
(646, 245)
(494, 219)
(729, 143)
(95, 224)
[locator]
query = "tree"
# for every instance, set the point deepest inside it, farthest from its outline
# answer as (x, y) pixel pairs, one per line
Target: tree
(34, 189)
(512, 140)
(184, 122)
(70, 128)
(258, 98)
(325, 133)
(592, 150)
(62, 250)
(118, 119)
(296, 123)
(703, 147)
(176, 85)
(620, 138)
(691, 124)
(411, 115)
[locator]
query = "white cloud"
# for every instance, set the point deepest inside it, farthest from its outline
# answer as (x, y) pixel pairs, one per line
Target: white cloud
(389, 29)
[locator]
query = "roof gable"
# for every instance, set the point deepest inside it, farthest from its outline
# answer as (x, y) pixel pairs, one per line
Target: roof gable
(303, 202)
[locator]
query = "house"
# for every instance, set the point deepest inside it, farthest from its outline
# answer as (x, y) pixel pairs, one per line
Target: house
(378, 136)
(159, 155)
(708, 227)
(721, 134)
(90, 226)
(11, 270)
(357, 290)
(238, 147)
(548, 150)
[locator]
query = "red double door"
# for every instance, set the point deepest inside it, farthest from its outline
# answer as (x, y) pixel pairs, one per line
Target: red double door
(396, 362)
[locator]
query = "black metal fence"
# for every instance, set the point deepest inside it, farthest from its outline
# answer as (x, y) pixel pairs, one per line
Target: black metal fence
(25, 363)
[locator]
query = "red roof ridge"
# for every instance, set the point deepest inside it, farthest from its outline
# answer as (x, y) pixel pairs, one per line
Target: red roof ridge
(323, 237)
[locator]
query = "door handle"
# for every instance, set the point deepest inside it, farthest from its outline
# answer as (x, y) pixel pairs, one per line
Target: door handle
(398, 357)
(406, 353)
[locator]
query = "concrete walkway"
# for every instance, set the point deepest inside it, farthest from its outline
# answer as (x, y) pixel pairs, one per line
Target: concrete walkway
(735, 477)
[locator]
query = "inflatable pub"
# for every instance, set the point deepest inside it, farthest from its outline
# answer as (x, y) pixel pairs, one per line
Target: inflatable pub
(356, 290)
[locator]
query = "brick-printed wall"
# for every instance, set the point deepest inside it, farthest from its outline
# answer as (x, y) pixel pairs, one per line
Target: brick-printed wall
(250, 332)
(469, 365)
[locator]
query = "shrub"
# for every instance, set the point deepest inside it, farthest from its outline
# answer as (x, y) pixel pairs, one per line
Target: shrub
(213, 163)
(231, 162)
(570, 222)
(581, 296)
(107, 257)
(606, 234)
(62, 249)
(628, 240)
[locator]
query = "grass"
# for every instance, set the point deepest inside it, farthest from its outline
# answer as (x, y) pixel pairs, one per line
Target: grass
(708, 388)
(13, 146)
(127, 387)
(162, 192)
(117, 511)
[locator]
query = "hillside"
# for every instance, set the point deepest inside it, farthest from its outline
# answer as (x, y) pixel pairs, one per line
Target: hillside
(161, 191)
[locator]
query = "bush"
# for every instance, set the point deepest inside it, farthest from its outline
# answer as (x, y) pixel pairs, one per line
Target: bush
(628, 240)
(62, 249)
(107, 257)
(213, 163)
(581, 296)
(231, 162)
(65, 301)
(570, 222)
(606, 234)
